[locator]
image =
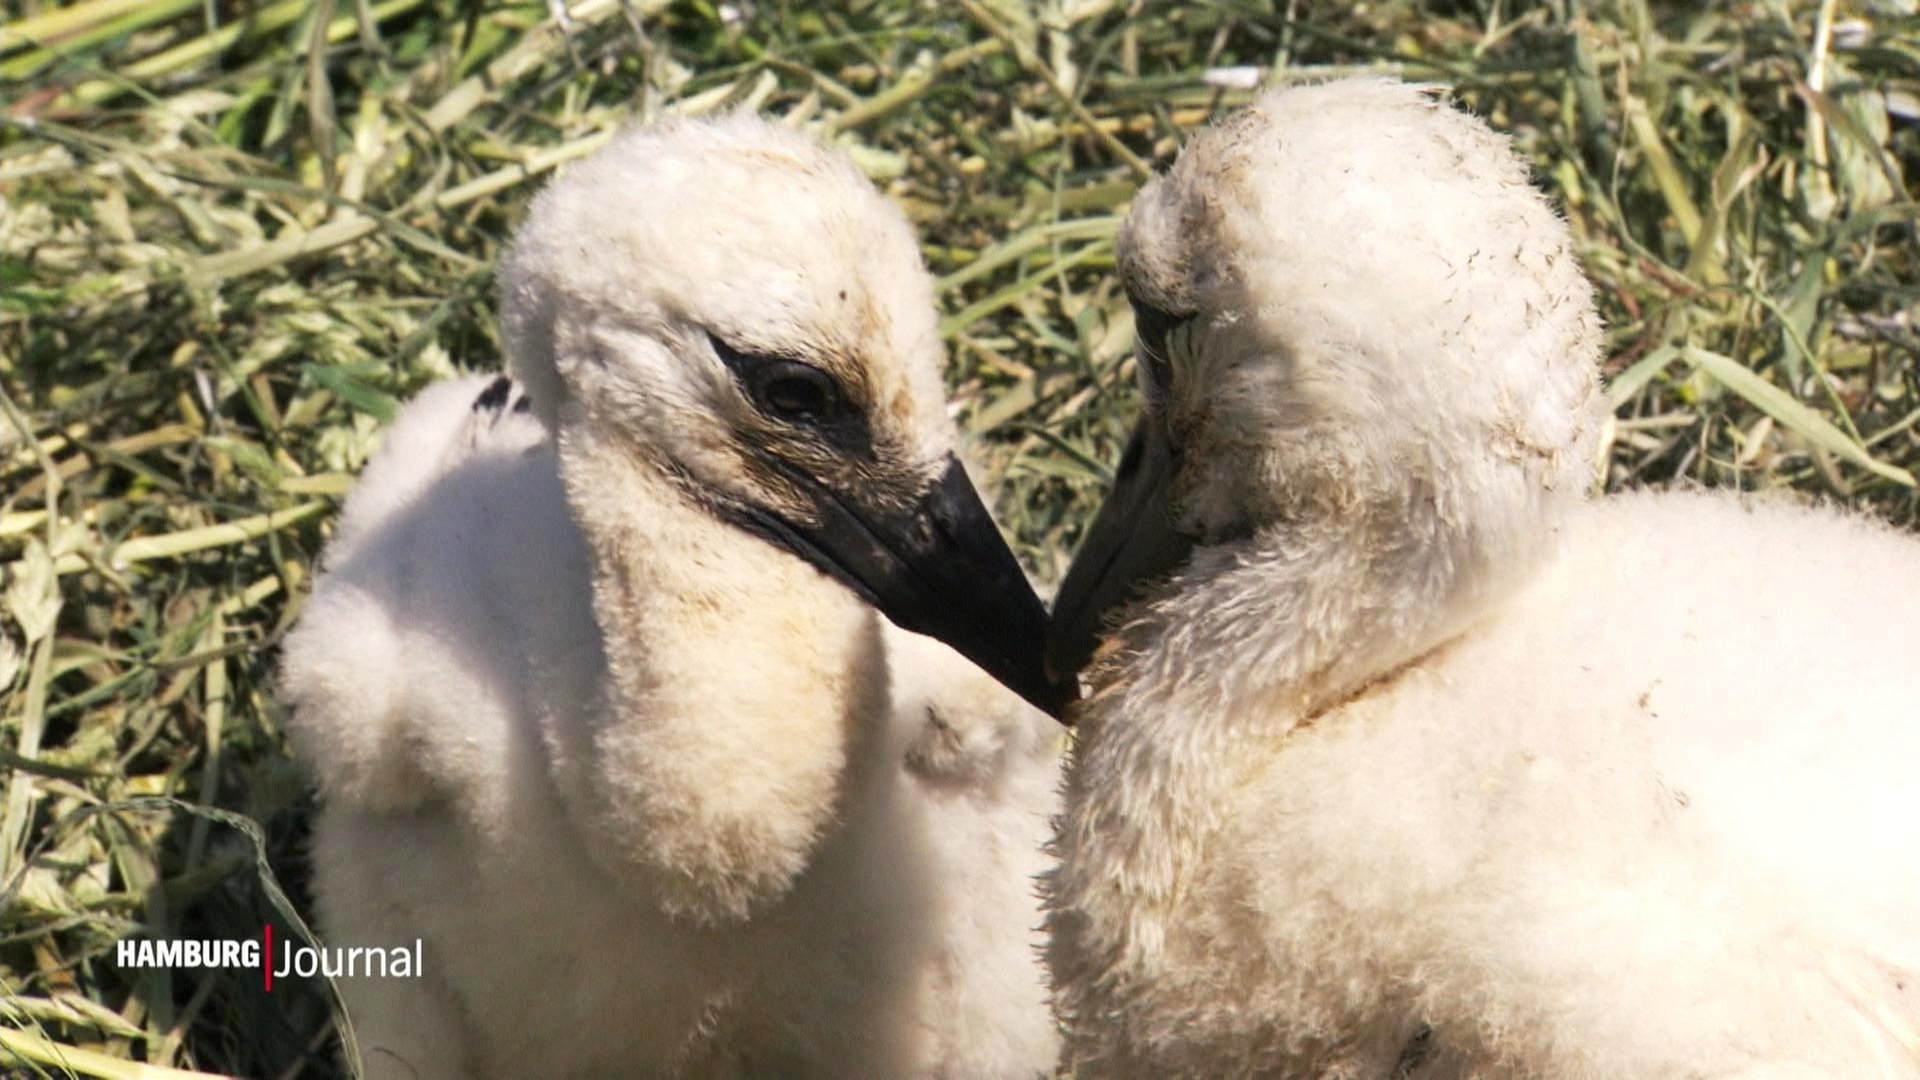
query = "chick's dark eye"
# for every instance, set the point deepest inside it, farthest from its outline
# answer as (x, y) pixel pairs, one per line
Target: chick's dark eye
(783, 389)
(796, 392)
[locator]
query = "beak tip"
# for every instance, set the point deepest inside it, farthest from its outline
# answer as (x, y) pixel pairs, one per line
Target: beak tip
(1058, 699)
(1065, 655)
(1042, 687)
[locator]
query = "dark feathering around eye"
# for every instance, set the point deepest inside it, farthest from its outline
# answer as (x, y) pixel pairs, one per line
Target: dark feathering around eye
(797, 394)
(1152, 325)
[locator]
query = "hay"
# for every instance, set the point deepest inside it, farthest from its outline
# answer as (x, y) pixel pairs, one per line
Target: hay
(232, 238)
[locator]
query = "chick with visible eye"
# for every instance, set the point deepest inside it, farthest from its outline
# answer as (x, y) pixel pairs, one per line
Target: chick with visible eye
(624, 691)
(1403, 756)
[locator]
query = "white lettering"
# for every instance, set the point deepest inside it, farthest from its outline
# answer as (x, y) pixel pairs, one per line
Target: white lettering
(397, 961)
(406, 964)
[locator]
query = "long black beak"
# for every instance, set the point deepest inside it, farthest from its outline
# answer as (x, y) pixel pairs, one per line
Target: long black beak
(937, 567)
(1131, 543)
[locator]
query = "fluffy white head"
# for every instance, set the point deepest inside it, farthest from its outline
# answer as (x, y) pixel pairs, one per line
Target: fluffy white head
(1384, 313)
(631, 266)
(732, 337)
(1369, 362)
(664, 301)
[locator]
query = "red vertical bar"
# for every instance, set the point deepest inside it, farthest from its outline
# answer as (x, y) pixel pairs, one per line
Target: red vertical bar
(266, 959)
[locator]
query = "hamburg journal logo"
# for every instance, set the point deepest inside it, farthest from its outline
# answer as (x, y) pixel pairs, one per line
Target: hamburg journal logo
(256, 954)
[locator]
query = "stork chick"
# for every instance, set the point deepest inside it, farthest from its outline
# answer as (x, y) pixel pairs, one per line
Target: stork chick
(1403, 757)
(596, 683)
